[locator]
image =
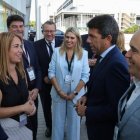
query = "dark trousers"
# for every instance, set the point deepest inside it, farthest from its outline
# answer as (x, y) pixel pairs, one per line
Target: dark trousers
(33, 121)
(100, 131)
(46, 105)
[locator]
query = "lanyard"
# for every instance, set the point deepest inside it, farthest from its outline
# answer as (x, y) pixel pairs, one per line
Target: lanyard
(26, 55)
(69, 63)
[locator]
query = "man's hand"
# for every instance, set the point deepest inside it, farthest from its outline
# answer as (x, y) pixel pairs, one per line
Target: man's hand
(92, 62)
(82, 101)
(47, 80)
(81, 109)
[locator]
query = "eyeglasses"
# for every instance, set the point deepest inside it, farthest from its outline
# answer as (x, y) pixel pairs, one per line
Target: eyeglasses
(49, 31)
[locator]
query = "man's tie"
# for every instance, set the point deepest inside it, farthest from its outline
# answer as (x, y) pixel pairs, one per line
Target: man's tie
(97, 62)
(129, 92)
(49, 45)
(50, 48)
(94, 68)
(98, 59)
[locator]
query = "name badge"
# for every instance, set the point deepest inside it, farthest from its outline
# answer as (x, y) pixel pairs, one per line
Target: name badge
(68, 79)
(22, 120)
(31, 73)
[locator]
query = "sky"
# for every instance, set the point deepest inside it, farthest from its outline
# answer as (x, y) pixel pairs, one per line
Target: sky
(98, 5)
(44, 8)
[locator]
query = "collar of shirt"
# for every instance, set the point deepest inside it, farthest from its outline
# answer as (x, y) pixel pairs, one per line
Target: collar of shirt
(106, 52)
(135, 93)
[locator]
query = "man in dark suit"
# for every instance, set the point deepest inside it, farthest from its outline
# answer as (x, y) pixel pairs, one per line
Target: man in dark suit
(15, 23)
(109, 80)
(44, 48)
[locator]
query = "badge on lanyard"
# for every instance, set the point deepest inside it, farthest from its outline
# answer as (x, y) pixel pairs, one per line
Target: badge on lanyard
(68, 79)
(22, 120)
(31, 73)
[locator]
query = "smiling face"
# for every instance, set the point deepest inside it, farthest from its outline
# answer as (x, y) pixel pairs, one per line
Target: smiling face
(70, 40)
(15, 51)
(133, 55)
(49, 31)
(17, 27)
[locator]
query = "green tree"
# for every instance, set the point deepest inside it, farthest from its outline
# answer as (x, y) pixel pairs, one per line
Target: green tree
(132, 29)
(32, 24)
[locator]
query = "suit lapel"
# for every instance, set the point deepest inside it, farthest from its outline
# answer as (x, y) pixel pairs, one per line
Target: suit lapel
(130, 111)
(29, 53)
(61, 59)
(123, 100)
(100, 67)
(44, 48)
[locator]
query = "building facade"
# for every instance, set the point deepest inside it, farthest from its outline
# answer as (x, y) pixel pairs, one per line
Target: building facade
(78, 12)
(75, 13)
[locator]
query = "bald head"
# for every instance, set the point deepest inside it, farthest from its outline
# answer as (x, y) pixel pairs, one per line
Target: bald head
(133, 55)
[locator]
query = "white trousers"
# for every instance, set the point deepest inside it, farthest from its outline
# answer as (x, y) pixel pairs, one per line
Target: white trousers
(65, 120)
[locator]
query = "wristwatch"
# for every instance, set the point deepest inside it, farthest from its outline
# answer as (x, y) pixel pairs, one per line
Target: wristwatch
(75, 92)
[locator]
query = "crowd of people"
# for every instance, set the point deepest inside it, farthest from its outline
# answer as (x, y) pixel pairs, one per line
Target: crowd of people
(78, 76)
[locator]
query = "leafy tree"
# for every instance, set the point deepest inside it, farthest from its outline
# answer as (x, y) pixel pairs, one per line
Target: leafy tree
(32, 24)
(132, 29)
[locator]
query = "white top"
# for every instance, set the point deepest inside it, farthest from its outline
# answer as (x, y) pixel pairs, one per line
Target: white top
(14, 132)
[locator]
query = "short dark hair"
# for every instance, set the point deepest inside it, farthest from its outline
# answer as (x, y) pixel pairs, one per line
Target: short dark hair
(12, 18)
(106, 25)
(48, 22)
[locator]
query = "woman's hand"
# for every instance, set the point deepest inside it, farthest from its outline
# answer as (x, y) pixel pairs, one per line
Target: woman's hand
(71, 96)
(63, 95)
(29, 108)
(33, 94)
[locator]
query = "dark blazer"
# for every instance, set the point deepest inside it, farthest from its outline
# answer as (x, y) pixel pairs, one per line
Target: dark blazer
(33, 62)
(108, 82)
(3, 135)
(43, 55)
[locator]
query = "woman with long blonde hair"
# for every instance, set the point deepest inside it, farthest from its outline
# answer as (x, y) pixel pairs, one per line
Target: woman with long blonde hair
(68, 72)
(14, 103)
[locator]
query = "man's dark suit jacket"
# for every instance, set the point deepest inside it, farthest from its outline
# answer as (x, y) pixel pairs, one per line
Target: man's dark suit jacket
(44, 60)
(33, 62)
(3, 135)
(108, 82)
(43, 56)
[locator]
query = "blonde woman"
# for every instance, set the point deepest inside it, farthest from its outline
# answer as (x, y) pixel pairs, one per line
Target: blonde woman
(14, 101)
(121, 42)
(68, 72)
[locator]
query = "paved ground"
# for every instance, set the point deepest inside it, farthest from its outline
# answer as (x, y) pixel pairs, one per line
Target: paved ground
(41, 126)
